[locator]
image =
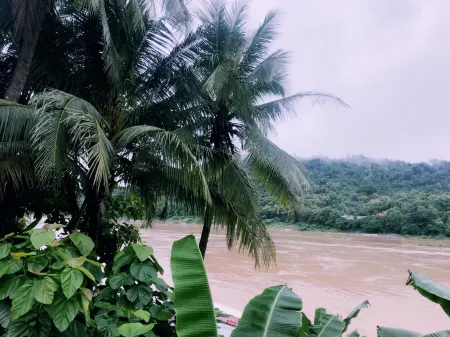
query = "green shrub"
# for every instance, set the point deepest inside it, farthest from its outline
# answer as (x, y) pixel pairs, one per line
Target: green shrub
(54, 287)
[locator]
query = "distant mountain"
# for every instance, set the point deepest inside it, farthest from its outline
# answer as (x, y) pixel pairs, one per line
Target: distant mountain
(415, 197)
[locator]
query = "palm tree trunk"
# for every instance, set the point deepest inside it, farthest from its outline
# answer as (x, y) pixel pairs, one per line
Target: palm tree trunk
(205, 232)
(22, 68)
(94, 214)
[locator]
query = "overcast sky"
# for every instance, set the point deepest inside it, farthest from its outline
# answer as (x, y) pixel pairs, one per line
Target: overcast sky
(388, 59)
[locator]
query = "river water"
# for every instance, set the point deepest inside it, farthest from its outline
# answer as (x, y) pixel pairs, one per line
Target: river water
(335, 271)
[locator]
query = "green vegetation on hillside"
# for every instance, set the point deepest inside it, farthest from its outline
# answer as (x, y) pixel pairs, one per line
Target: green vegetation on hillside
(365, 195)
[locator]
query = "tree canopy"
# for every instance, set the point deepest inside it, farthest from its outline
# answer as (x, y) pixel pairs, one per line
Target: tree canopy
(372, 196)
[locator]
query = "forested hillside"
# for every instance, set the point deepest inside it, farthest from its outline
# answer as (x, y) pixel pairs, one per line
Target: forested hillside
(364, 195)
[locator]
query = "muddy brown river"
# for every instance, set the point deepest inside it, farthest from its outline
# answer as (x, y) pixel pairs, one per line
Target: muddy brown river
(335, 271)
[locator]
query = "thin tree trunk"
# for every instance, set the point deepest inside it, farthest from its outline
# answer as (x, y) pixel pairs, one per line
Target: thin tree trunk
(205, 232)
(94, 214)
(22, 68)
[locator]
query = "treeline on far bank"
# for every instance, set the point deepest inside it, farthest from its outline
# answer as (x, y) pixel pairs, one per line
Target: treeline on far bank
(364, 195)
(360, 194)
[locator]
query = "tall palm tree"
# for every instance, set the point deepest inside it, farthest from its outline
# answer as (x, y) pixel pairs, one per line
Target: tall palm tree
(22, 21)
(242, 95)
(108, 124)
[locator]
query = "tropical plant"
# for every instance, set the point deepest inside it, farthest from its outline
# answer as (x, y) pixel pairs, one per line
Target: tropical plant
(88, 148)
(237, 76)
(431, 290)
(132, 106)
(43, 290)
(56, 288)
(21, 23)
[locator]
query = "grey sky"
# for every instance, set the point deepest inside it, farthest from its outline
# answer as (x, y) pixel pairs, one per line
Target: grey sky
(388, 59)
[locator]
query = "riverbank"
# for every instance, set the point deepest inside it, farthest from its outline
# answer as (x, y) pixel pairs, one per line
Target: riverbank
(312, 228)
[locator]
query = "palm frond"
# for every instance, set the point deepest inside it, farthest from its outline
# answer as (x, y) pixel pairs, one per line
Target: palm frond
(97, 151)
(16, 121)
(17, 171)
(260, 42)
(242, 230)
(218, 78)
(66, 122)
(230, 178)
(277, 109)
(178, 13)
(270, 68)
(16, 164)
(283, 176)
(237, 13)
(179, 159)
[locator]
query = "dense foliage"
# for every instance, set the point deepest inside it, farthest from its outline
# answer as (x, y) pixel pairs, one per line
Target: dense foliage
(108, 93)
(364, 195)
(57, 288)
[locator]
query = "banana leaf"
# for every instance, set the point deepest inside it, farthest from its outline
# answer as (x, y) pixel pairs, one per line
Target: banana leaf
(430, 289)
(193, 303)
(445, 333)
(392, 332)
(355, 313)
(274, 313)
(306, 323)
(328, 326)
(354, 333)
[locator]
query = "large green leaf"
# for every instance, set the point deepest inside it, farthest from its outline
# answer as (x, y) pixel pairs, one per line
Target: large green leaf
(83, 242)
(37, 263)
(75, 329)
(142, 314)
(23, 300)
(430, 289)
(355, 313)
(123, 258)
(118, 280)
(96, 271)
(392, 332)
(304, 329)
(328, 326)
(63, 311)
(44, 289)
(5, 248)
(41, 237)
(5, 314)
(71, 280)
(142, 251)
(143, 271)
(107, 325)
(161, 313)
(9, 285)
(34, 324)
(134, 329)
(276, 312)
(10, 266)
(193, 303)
(140, 296)
(318, 314)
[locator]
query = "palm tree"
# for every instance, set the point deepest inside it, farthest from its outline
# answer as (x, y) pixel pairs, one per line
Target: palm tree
(242, 95)
(112, 123)
(21, 21)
